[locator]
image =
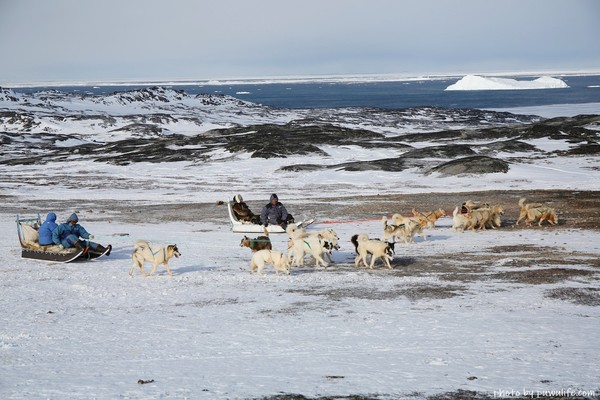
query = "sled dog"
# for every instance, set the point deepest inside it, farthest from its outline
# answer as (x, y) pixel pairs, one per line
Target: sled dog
(144, 252)
(533, 212)
(406, 227)
(316, 244)
(276, 258)
(258, 243)
(376, 248)
(331, 241)
(461, 221)
(429, 217)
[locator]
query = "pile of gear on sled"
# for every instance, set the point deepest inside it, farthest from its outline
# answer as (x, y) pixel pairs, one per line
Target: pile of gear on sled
(50, 241)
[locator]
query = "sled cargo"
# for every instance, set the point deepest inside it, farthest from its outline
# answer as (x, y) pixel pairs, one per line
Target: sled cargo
(248, 227)
(27, 230)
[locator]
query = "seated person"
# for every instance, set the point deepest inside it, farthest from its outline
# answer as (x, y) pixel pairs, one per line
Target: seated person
(67, 235)
(242, 212)
(274, 213)
(46, 230)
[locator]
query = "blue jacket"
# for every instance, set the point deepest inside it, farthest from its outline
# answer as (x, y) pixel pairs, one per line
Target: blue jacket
(63, 231)
(273, 214)
(47, 228)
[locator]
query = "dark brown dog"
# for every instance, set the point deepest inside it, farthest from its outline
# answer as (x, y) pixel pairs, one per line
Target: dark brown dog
(258, 243)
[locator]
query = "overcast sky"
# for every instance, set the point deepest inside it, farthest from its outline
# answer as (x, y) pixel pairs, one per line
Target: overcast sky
(108, 40)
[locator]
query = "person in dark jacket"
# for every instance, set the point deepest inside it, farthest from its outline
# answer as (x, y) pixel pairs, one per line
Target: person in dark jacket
(242, 211)
(46, 230)
(274, 213)
(68, 235)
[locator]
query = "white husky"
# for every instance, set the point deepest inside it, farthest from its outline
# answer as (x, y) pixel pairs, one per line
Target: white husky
(276, 258)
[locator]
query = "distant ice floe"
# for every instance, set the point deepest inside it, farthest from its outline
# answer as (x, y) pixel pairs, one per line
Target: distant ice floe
(476, 82)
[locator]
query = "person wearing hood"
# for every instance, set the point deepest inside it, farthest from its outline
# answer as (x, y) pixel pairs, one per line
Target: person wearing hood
(242, 211)
(70, 233)
(46, 230)
(274, 213)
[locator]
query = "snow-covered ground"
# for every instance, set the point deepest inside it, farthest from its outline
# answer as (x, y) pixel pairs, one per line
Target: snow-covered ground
(214, 331)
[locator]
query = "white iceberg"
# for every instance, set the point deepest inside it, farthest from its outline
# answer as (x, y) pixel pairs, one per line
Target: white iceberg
(476, 82)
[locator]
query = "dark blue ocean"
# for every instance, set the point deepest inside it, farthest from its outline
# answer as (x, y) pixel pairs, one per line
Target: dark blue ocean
(389, 95)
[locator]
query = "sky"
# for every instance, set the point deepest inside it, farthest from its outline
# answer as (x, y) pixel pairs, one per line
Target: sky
(114, 40)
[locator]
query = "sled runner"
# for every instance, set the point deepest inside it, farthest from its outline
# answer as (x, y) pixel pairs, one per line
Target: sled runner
(27, 230)
(248, 227)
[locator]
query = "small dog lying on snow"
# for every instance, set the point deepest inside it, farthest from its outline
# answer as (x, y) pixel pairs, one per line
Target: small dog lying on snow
(376, 248)
(533, 212)
(276, 258)
(143, 252)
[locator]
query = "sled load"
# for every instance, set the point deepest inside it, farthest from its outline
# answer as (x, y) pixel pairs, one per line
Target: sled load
(27, 230)
(249, 227)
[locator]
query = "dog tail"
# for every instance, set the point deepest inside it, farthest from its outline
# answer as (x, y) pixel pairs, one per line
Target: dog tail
(354, 240)
(266, 231)
(384, 220)
(139, 246)
(522, 201)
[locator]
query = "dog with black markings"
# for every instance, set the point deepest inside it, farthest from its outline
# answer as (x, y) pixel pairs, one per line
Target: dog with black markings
(373, 247)
(143, 252)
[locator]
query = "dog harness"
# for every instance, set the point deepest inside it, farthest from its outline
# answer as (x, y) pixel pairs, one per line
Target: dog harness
(164, 249)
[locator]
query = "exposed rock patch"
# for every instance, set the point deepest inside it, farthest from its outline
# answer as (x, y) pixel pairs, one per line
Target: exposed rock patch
(472, 165)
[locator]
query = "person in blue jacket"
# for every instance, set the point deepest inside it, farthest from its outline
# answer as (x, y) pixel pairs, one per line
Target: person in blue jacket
(70, 233)
(46, 230)
(274, 213)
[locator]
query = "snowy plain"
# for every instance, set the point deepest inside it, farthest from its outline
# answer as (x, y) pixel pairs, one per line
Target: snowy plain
(214, 331)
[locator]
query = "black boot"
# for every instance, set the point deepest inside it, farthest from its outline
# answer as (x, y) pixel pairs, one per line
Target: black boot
(99, 249)
(79, 246)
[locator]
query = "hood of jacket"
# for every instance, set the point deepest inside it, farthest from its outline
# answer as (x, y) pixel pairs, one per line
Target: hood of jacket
(73, 217)
(51, 217)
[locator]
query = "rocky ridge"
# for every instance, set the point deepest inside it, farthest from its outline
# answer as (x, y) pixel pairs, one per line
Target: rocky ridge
(165, 125)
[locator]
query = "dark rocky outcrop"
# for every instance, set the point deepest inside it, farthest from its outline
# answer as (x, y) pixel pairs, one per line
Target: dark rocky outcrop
(471, 165)
(459, 141)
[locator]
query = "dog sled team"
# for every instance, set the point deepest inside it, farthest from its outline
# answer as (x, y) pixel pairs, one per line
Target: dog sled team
(52, 238)
(320, 244)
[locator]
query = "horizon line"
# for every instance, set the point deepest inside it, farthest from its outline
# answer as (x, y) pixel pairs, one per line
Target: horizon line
(324, 78)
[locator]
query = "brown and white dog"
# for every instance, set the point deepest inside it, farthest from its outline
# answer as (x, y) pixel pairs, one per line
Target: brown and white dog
(429, 217)
(404, 228)
(144, 252)
(258, 243)
(533, 212)
(276, 258)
